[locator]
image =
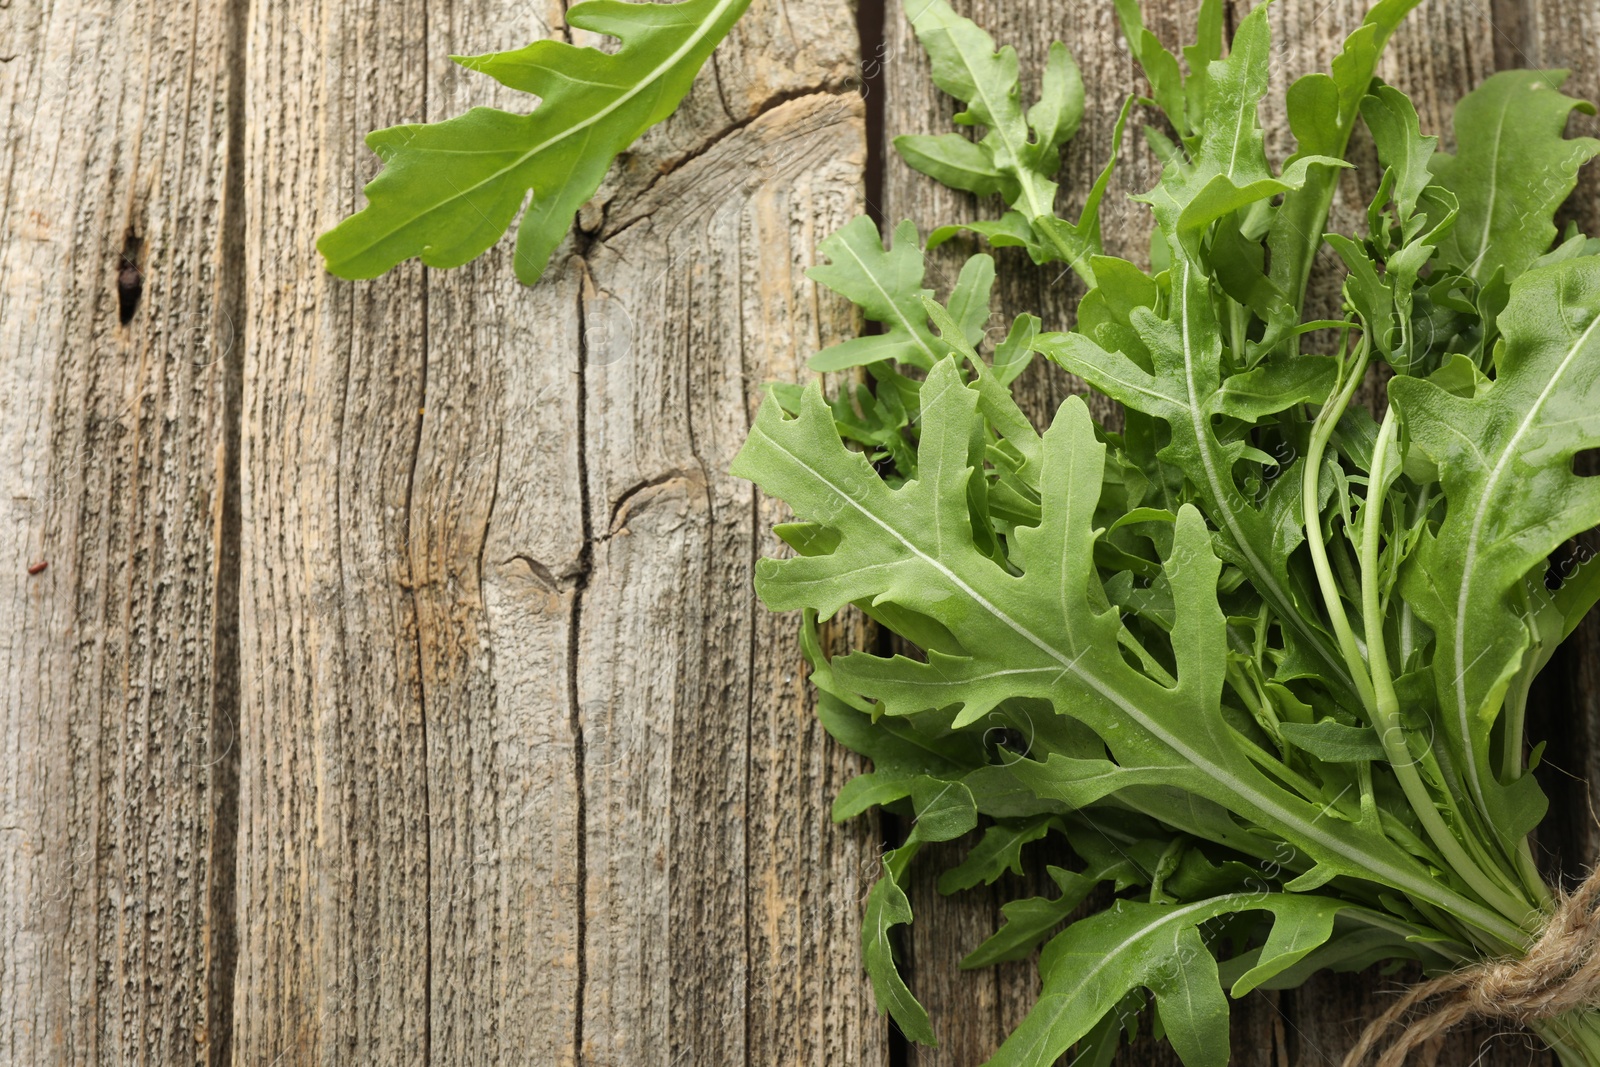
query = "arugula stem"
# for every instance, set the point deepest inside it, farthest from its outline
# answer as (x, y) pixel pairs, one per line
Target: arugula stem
(1305, 213)
(1244, 691)
(1531, 878)
(1371, 673)
(1237, 318)
(1349, 583)
(1516, 717)
(1526, 873)
(1407, 630)
(1282, 771)
(1574, 1037)
(1310, 501)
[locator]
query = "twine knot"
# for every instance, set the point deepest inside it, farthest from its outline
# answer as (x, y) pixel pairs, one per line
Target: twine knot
(1560, 973)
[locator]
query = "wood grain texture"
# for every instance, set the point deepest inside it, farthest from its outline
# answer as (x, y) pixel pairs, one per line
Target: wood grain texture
(334, 808)
(530, 777)
(499, 556)
(438, 586)
(116, 708)
(705, 867)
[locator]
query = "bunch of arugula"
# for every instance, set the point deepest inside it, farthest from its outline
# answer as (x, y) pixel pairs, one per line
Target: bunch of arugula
(1260, 659)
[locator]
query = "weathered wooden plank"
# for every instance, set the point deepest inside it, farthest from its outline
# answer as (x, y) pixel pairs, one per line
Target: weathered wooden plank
(334, 806)
(116, 754)
(710, 864)
(459, 846)
(498, 552)
(808, 1001)
(966, 1007)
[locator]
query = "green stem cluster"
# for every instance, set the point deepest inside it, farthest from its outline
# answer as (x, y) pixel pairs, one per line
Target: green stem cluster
(1368, 662)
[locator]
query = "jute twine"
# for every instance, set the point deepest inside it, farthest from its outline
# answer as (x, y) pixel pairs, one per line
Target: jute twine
(1560, 973)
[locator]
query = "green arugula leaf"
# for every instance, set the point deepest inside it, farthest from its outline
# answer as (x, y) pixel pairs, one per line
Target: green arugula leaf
(1402, 148)
(999, 851)
(955, 161)
(1020, 151)
(888, 287)
(1505, 462)
(1333, 741)
(1322, 111)
(1159, 65)
(1094, 964)
(1031, 920)
(888, 907)
(967, 66)
(1513, 167)
(448, 190)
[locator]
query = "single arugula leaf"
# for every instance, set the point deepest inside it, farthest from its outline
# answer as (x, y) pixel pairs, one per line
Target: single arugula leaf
(888, 907)
(1322, 111)
(1512, 168)
(1402, 148)
(1012, 356)
(1097, 961)
(968, 67)
(1055, 118)
(943, 811)
(1230, 170)
(1333, 741)
(955, 161)
(448, 190)
(1505, 462)
(1159, 65)
(1078, 244)
(1020, 151)
(1353, 946)
(999, 851)
(1029, 921)
(887, 284)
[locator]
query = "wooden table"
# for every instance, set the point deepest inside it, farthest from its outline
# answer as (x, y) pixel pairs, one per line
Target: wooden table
(394, 692)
